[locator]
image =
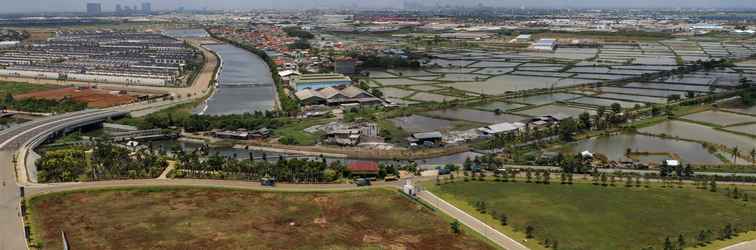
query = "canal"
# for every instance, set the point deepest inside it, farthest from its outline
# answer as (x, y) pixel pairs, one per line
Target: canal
(244, 84)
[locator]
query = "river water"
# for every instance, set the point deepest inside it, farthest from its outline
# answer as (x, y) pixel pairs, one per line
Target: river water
(244, 84)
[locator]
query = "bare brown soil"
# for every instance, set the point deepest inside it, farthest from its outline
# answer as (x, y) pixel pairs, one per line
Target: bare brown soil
(193, 218)
(95, 98)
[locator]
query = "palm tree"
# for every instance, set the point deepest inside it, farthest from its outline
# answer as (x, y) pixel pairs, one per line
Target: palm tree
(735, 154)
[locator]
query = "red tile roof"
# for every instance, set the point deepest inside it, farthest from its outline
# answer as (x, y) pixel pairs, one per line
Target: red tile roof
(365, 166)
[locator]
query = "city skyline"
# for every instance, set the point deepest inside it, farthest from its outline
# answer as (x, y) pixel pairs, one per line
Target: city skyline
(18, 6)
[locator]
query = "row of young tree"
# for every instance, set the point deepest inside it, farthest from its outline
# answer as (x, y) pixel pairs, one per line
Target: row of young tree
(192, 165)
(702, 238)
(100, 161)
(196, 164)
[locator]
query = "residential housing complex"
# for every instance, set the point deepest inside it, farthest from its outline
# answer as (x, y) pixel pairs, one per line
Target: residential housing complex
(132, 58)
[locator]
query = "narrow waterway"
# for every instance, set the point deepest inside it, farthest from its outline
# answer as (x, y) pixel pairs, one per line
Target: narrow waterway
(244, 84)
(239, 153)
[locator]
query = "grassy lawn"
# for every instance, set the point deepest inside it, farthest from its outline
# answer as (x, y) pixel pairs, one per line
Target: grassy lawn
(393, 133)
(295, 130)
(15, 88)
(195, 218)
(584, 216)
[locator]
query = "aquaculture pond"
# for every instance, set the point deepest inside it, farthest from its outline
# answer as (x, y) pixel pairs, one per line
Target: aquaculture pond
(503, 106)
(545, 99)
(720, 118)
(614, 147)
(554, 109)
(475, 116)
(699, 132)
(418, 123)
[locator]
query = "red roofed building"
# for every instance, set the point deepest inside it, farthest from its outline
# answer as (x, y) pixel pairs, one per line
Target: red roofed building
(363, 168)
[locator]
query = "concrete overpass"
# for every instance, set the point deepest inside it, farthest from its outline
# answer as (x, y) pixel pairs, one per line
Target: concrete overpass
(15, 148)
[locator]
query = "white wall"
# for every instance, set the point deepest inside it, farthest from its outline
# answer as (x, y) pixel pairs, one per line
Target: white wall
(29, 74)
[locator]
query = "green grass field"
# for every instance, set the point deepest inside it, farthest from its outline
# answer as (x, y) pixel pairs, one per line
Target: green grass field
(195, 218)
(15, 88)
(584, 216)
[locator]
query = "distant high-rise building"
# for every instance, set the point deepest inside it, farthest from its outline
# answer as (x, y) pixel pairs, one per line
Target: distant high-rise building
(118, 8)
(94, 9)
(147, 8)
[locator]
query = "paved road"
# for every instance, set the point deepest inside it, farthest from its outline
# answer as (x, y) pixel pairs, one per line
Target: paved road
(748, 245)
(37, 189)
(11, 225)
(487, 231)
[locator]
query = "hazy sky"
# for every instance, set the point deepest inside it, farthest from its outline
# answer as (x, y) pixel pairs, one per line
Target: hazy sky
(109, 5)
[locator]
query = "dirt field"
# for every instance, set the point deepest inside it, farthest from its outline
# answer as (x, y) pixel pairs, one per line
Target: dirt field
(95, 98)
(192, 218)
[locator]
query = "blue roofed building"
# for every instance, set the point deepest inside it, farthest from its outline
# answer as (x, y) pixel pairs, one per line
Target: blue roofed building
(318, 81)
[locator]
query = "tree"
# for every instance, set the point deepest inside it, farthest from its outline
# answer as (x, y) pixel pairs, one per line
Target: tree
(616, 108)
(673, 98)
(467, 165)
(680, 242)
(735, 154)
(612, 180)
(529, 230)
(585, 120)
(655, 110)
(503, 219)
(8, 99)
(455, 227)
(668, 244)
(528, 176)
(701, 238)
(600, 112)
(567, 129)
(727, 232)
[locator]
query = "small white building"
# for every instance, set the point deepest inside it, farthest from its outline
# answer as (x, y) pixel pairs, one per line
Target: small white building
(9, 44)
(502, 128)
(672, 163)
(409, 189)
(522, 39)
(546, 44)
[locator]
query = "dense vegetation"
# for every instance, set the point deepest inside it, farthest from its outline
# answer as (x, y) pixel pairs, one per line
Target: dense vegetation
(195, 164)
(196, 123)
(105, 161)
(43, 105)
(375, 61)
(300, 44)
(15, 88)
(8, 89)
(297, 32)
